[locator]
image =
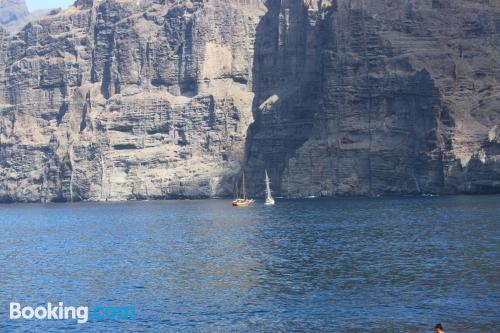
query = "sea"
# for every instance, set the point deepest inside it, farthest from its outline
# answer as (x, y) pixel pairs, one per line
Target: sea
(396, 264)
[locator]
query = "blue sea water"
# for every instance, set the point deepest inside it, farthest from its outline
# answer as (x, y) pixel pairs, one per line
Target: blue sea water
(337, 265)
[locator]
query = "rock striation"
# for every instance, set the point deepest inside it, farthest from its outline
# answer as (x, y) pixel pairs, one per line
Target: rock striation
(159, 99)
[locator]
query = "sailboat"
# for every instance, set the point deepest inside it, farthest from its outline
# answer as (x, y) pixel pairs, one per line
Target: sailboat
(242, 200)
(269, 197)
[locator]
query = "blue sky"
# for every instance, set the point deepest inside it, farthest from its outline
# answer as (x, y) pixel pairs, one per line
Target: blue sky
(45, 4)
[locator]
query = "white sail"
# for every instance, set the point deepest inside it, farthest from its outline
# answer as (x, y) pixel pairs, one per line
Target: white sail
(269, 197)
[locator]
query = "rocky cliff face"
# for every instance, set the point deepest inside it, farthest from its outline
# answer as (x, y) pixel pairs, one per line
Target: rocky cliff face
(115, 100)
(377, 97)
(12, 11)
(14, 15)
(118, 99)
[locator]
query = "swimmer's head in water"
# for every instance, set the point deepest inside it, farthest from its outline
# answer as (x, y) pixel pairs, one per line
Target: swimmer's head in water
(439, 328)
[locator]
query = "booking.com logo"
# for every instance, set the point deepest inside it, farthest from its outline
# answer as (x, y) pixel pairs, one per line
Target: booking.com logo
(61, 312)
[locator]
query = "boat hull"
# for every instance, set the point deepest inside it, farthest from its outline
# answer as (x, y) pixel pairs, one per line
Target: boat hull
(242, 203)
(269, 202)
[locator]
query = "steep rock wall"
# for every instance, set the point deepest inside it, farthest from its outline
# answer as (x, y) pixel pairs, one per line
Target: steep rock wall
(377, 97)
(152, 99)
(117, 100)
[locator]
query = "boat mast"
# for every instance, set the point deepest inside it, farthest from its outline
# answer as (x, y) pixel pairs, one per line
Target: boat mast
(236, 190)
(244, 188)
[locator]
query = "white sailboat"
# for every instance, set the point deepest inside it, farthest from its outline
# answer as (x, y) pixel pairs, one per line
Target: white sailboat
(269, 197)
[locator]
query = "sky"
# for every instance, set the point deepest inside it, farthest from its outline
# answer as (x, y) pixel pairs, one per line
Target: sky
(46, 4)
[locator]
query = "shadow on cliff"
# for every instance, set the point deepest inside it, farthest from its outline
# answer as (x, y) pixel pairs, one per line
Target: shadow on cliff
(286, 95)
(301, 80)
(266, 34)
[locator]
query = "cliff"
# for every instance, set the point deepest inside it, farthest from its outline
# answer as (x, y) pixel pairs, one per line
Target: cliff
(377, 98)
(117, 100)
(150, 99)
(14, 14)
(12, 10)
